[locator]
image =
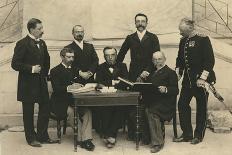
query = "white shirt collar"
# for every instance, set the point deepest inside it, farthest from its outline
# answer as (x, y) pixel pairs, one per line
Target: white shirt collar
(141, 34)
(65, 65)
(80, 44)
(33, 37)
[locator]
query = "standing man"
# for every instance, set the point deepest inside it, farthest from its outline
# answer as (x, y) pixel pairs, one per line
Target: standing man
(161, 101)
(86, 59)
(107, 75)
(32, 60)
(142, 45)
(62, 76)
(196, 59)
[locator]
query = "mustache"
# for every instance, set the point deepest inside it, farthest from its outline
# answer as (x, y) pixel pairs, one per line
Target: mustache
(140, 26)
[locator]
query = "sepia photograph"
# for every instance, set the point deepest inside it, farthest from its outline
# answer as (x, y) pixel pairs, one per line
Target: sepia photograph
(115, 77)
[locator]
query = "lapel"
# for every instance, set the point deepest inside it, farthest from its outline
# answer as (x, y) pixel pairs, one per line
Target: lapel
(136, 37)
(77, 47)
(145, 37)
(160, 72)
(33, 46)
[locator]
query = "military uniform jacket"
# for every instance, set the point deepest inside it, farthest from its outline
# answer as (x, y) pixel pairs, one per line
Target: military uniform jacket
(140, 53)
(195, 55)
(32, 87)
(105, 77)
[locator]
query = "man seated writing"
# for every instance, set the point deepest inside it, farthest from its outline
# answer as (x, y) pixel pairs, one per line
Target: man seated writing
(161, 100)
(107, 75)
(62, 76)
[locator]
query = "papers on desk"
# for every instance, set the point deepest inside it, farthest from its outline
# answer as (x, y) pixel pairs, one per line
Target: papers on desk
(108, 90)
(77, 88)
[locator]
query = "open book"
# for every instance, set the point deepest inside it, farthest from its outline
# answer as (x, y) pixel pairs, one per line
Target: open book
(138, 86)
(77, 88)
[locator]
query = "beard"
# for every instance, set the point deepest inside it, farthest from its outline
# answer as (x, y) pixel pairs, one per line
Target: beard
(79, 37)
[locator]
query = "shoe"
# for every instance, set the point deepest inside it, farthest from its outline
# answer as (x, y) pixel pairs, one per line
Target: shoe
(156, 148)
(110, 142)
(195, 141)
(35, 144)
(50, 141)
(88, 145)
(182, 139)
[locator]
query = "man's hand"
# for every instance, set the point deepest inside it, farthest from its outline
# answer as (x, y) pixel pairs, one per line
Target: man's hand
(85, 75)
(36, 69)
(200, 83)
(115, 82)
(144, 74)
(162, 89)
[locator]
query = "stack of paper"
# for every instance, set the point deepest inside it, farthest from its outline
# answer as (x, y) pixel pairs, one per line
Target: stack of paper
(75, 88)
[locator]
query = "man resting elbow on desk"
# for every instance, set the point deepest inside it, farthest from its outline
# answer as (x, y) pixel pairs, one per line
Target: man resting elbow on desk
(161, 101)
(62, 76)
(107, 75)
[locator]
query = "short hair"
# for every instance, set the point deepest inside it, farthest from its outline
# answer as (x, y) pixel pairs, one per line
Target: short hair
(141, 14)
(108, 48)
(76, 26)
(187, 21)
(66, 50)
(32, 23)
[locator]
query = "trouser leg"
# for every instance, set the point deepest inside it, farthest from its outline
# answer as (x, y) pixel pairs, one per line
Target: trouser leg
(156, 128)
(42, 122)
(28, 121)
(201, 100)
(185, 112)
(115, 121)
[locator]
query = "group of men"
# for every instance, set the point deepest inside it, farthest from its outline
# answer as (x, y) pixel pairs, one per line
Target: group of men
(79, 64)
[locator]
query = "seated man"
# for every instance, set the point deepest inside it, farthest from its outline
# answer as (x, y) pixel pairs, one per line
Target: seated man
(160, 101)
(107, 75)
(62, 76)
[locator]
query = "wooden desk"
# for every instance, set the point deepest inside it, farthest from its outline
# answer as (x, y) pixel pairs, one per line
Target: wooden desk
(96, 98)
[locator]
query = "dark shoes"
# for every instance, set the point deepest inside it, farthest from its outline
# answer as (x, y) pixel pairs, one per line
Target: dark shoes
(109, 142)
(50, 141)
(182, 139)
(88, 145)
(35, 144)
(156, 148)
(195, 141)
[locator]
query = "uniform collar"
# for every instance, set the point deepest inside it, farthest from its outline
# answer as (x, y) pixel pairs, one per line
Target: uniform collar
(141, 34)
(80, 44)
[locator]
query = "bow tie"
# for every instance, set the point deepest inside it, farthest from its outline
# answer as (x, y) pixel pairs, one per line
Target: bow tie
(36, 41)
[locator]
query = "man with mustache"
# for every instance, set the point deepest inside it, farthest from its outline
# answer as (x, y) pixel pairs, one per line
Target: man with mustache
(85, 56)
(195, 61)
(142, 45)
(107, 75)
(32, 60)
(62, 76)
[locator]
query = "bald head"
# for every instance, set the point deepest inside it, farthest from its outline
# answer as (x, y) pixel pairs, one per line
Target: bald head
(158, 59)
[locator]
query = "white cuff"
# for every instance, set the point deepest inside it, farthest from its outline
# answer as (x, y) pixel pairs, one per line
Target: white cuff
(204, 75)
(33, 69)
(147, 72)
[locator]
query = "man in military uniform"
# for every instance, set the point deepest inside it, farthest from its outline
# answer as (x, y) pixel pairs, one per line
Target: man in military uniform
(196, 61)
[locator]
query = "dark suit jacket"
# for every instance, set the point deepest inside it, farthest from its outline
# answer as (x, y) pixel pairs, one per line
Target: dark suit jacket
(105, 77)
(61, 77)
(140, 52)
(163, 105)
(85, 60)
(31, 87)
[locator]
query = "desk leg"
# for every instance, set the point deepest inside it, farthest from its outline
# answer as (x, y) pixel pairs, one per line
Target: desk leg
(75, 127)
(137, 124)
